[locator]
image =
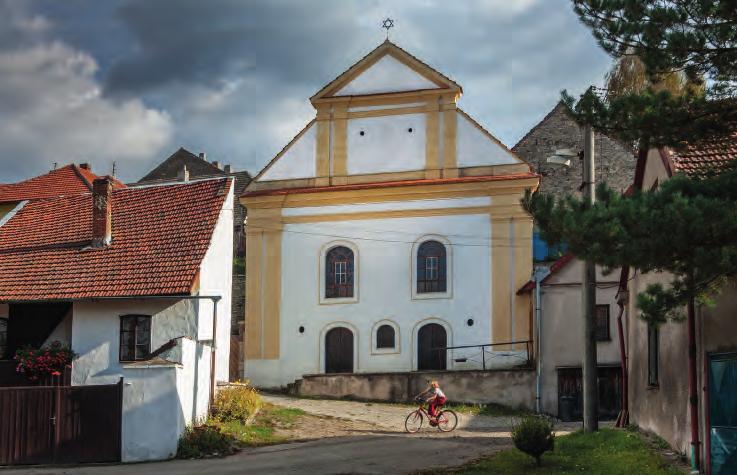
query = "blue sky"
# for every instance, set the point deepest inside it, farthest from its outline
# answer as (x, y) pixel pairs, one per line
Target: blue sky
(132, 80)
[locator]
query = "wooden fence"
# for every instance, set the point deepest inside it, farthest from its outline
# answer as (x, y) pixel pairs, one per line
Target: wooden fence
(60, 424)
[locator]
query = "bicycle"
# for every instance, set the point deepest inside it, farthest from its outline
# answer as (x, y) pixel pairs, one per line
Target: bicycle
(446, 419)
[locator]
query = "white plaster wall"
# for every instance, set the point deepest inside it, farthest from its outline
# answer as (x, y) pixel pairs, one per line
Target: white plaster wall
(384, 264)
(561, 326)
(216, 273)
(386, 75)
(298, 161)
(475, 148)
(153, 417)
(387, 145)
(155, 407)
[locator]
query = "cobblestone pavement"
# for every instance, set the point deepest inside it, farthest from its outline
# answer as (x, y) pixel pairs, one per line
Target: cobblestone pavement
(390, 417)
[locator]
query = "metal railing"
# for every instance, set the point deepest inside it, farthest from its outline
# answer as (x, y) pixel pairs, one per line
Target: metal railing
(511, 353)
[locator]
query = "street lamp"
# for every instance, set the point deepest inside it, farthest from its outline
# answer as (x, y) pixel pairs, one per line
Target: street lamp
(588, 285)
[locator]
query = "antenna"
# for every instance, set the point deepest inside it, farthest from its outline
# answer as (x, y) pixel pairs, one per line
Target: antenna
(113, 172)
(55, 165)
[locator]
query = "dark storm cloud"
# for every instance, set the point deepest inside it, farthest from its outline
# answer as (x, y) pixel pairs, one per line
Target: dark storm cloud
(233, 77)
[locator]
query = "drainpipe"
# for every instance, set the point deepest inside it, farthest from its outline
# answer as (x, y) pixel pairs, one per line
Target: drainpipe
(623, 419)
(538, 275)
(693, 397)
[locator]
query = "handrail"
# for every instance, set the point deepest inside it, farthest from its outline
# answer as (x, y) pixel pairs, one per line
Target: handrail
(527, 343)
(484, 345)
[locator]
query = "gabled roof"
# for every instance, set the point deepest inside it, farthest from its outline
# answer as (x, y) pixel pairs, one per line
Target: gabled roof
(160, 236)
(65, 181)
(384, 49)
(170, 168)
(554, 269)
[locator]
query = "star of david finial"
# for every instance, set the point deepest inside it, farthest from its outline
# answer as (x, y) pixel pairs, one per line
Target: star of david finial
(387, 24)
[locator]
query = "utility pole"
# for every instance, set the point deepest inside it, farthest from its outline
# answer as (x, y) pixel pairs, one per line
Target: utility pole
(588, 300)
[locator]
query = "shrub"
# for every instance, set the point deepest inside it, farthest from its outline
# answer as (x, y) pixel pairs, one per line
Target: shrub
(203, 441)
(534, 436)
(236, 403)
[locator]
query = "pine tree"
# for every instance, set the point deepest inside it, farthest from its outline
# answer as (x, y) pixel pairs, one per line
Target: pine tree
(693, 38)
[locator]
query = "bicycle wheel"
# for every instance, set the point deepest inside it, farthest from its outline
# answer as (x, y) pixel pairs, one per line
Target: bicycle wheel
(447, 420)
(413, 423)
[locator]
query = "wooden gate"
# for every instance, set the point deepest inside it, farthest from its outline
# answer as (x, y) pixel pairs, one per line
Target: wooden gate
(64, 424)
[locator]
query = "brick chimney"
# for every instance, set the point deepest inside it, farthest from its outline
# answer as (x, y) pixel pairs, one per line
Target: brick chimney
(183, 174)
(85, 166)
(216, 163)
(102, 212)
(227, 169)
(203, 156)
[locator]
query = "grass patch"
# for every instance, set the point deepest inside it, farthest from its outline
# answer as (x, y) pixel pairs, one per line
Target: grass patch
(262, 430)
(606, 452)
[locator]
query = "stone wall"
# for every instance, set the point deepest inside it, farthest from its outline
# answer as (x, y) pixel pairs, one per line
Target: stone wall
(514, 388)
(615, 165)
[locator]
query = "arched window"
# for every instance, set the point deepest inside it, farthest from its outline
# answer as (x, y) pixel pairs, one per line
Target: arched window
(385, 337)
(431, 268)
(339, 273)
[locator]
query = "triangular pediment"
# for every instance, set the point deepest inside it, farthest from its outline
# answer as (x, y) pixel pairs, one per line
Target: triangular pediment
(385, 70)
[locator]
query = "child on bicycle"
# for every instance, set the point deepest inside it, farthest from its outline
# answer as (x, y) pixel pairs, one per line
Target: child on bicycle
(435, 397)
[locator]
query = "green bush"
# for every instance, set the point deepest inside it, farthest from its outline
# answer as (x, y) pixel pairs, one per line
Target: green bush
(534, 436)
(236, 403)
(204, 441)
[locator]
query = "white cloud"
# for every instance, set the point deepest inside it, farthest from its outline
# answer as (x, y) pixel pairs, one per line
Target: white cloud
(51, 110)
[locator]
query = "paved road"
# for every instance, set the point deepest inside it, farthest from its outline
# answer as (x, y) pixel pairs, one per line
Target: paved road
(383, 448)
(374, 454)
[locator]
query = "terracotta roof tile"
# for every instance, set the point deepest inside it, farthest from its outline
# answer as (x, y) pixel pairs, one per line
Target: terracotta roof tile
(706, 157)
(160, 236)
(64, 181)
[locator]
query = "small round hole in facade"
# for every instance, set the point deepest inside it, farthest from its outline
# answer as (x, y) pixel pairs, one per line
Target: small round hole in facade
(301, 329)
(362, 133)
(409, 130)
(469, 322)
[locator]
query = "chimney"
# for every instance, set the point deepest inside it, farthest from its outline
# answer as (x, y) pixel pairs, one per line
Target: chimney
(85, 166)
(216, 163)
(203, 156)
(102, 212)
(183, 174)
(227, 169)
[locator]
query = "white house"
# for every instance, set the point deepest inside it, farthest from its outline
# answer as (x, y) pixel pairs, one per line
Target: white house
(561, 340)
(388, 229)
(137, 281)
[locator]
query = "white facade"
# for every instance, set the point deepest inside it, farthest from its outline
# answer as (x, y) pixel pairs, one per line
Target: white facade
(386, 125)
(561, 333)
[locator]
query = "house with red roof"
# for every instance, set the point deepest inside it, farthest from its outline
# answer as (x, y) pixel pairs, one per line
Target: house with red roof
(136, 281)
(658, 356)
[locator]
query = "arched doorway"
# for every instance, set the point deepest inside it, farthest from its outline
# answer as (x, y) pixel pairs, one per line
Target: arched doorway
(429, 337)
(339, 350)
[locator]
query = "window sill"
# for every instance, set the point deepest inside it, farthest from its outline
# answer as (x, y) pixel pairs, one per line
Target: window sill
(338, 301)
(385, 351)
(653, 387)
(431, 295)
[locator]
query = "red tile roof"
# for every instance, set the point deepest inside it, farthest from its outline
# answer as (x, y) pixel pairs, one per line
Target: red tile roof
(706, 157)
(64, 181)
(160, 236)
(555, 267)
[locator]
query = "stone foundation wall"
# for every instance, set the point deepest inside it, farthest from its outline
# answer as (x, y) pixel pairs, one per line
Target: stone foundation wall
(514, 388)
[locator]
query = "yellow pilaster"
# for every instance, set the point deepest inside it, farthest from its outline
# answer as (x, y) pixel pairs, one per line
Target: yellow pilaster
(450, 126)
(340, 145)
(263, 284)
(432, 137)
(322, 148)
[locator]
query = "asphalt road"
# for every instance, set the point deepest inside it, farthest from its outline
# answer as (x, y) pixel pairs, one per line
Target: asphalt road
(373, 454)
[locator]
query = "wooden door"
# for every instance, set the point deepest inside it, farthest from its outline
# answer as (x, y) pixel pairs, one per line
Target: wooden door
(430, 339)
(339, 351)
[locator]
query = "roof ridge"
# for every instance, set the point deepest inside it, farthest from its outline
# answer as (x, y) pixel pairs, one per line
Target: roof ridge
(81, 176)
